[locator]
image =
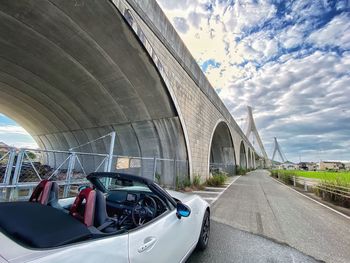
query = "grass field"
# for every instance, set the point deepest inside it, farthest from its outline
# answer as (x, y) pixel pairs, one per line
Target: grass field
(339, 178)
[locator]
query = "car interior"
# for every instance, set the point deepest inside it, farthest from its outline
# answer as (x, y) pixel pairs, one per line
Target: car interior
(43, 223)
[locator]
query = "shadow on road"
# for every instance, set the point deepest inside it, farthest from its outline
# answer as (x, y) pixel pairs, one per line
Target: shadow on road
(228, 244)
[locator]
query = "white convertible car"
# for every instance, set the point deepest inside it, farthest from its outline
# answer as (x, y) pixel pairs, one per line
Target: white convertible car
(120, 218)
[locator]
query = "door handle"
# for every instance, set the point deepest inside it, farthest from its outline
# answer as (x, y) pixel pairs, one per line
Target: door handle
(148, 244)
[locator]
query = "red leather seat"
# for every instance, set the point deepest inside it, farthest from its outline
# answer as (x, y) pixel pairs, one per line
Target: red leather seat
(84, 212)
(93, 212)
(41, 193)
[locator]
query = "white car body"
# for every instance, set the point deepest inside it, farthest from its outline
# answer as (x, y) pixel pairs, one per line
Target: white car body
(165, 239)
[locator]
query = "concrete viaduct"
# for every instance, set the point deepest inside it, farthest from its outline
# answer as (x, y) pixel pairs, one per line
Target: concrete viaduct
(71, 71)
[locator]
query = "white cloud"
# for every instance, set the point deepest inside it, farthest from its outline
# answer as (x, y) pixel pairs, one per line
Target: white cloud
(180, 24)
(306, 96)
(13, 129)
(334, 34)
(292, 71)
(292, 36)
(14, 135)
(247, 14)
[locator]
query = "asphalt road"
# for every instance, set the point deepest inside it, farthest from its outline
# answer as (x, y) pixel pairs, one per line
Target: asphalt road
(259, 220)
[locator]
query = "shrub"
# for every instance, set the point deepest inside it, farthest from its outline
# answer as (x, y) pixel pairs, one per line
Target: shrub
(241, 171)
(216, 180)
(286, 178)
(274, 173)
(197, 181)
(181, 184)
(157, 177)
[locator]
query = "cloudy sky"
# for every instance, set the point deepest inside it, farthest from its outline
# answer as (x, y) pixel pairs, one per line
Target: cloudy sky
(289, 60)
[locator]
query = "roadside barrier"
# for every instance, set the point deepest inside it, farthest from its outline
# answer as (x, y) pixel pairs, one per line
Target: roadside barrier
(327, 190)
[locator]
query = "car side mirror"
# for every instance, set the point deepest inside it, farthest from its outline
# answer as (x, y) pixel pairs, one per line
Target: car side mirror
(182, 210)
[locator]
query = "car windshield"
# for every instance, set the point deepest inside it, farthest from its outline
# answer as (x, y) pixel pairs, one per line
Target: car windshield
(117, 184)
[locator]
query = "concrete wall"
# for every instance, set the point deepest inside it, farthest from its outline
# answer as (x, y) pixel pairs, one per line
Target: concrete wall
(199, 107)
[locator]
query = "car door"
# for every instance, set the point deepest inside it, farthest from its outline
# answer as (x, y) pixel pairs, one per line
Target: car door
(167, 239)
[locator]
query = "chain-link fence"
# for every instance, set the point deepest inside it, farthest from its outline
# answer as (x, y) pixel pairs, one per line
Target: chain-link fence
(228, 169)
(168, 173)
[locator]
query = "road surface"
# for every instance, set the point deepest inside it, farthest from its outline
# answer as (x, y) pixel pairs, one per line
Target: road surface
(259, 220)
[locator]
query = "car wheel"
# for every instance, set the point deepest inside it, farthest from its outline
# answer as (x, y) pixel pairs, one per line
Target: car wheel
(205, 232)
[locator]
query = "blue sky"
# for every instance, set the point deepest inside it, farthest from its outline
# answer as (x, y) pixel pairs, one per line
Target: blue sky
(289, 60)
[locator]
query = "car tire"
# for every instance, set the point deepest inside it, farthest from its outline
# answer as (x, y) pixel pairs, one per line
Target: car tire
(205, 232)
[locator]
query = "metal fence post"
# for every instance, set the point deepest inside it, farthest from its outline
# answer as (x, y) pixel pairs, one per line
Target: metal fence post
(154, 168)
(16, 175)
(70, 169)
(9, 166)
(294, 182)
(111, 149)
(18, 167)
(105, 167)
(175, 174)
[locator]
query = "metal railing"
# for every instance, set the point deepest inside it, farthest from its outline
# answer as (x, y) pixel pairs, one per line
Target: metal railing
(326, 190)
(22, 169)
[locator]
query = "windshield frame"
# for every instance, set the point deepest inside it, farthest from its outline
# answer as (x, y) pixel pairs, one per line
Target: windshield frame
(95, 179)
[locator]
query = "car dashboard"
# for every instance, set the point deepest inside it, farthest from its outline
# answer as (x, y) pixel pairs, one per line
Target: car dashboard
(120, 204)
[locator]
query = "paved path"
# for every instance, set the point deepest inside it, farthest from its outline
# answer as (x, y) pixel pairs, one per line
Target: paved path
(259, 205)
(211, 194)
(228, 244)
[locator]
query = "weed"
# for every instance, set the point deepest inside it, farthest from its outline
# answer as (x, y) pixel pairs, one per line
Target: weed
(217, 179)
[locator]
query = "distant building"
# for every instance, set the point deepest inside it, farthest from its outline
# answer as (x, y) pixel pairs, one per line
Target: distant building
(4, 147)
(346, 166)
(308, 166)
(331, 165)
(288, 166)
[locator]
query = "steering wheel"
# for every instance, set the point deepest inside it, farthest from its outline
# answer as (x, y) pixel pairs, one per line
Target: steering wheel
(144, 211)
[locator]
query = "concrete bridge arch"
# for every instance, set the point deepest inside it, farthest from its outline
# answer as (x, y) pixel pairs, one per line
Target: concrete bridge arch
(243, 163)
(81, 71)
(222, 155)
(249, 159)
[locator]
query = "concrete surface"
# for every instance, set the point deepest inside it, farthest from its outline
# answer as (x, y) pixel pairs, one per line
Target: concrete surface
(228, 244)
(257, 204)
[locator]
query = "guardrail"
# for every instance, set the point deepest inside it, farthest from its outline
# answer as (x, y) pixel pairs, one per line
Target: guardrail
(326, 190)
(22, 169)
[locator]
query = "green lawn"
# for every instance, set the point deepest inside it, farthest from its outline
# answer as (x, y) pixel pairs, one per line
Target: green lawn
(340, 178)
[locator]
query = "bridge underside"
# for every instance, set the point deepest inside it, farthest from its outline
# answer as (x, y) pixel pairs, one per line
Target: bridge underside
(72, 71)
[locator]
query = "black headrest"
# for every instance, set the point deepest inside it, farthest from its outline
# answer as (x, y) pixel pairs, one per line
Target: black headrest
(100, 209)
(53, 196)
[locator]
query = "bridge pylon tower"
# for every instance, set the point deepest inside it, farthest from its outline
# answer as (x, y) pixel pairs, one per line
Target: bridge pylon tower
(277, 149)
(251, 128)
